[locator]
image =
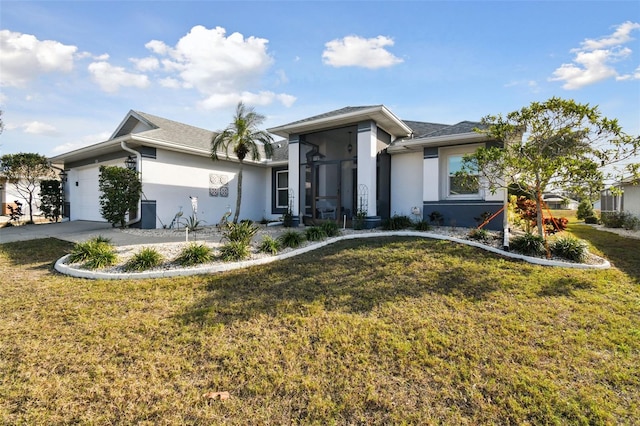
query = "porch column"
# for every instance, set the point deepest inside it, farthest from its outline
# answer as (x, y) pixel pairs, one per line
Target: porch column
(367, 150)
(294, 175)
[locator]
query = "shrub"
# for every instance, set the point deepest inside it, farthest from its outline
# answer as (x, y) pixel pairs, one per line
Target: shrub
(556, 224)
(93, 248)
(291, 239)
(480, 234)
(613, 219)
(269, 245)
(585, 210)
(593, 220)
(241, 232)
(569, 248)
(234, 251)
(331, 229)
(146, 258)
(436, 218)
(315, 233)
(396, 222)
(631, 222)
(528, 244)
(423, 225)
(195, 254)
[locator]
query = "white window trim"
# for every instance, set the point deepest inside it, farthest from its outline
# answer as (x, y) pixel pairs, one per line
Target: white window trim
(278, 189)
(443, 155)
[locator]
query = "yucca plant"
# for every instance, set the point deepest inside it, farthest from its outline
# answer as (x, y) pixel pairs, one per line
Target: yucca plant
(569, 248)
(528, 244)
(423, 225)
(291, 239)
(234, 251)
(83, 252)
(270, 245)
(194, 254)
(330, 228)
(240, 232)
(146, 258)
(315, 233)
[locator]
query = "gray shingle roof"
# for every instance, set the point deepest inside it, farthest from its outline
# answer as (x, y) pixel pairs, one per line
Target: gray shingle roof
(334, 113)
(456, 129)
(176, 133)
(422, 128)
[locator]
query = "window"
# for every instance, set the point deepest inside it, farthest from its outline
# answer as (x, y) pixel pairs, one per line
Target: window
(282, 189)
(457, 187)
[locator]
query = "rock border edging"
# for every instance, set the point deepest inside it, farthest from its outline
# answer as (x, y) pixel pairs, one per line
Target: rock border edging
(63, 268)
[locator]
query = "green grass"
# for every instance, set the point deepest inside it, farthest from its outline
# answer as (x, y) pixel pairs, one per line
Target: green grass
(376, 331)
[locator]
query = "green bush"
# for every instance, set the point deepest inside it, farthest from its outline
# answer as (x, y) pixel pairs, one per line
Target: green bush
(480, 234)
(613, 219)
(234, 251)
(631, 222)
(423, 225)
(241, 232)
(330, 228)
(397, 222)
(270, 245)
(569, 248)
(291, 239)
(94, 253)
(528, 244)
(195, 254)
(585, 210)
(315, 233)
(146, 258)
(593, 220)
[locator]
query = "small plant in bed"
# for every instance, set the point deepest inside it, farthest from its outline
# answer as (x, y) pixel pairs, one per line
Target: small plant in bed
(94, 253)
(241, 232)
(315, 233)
(234, 251)
(331, 229)
(528, 244)
(480, 234)
(146, 258)
(195, 254)
(291, 239)
(569, 248)
(270, 245)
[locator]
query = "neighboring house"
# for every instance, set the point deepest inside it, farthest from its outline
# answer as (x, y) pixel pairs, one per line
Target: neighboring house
(328, 167)
(9, 195)
(559, 202)
(626, 198)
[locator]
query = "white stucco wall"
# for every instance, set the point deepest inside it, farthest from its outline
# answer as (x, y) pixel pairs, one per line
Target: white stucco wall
(632, 199)
(407, 182)
(82, 193)
(172, 177)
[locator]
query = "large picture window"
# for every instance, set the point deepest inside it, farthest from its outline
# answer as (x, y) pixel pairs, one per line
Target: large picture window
(453, 186)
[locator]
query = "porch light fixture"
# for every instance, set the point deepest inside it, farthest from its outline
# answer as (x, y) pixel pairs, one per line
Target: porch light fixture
(349, 147)
(63, 175)
(130, 162)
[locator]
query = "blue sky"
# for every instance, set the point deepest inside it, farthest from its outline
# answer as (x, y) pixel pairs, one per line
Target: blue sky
(70, 71)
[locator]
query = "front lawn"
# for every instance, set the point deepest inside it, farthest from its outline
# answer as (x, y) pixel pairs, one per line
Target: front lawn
(384, 331)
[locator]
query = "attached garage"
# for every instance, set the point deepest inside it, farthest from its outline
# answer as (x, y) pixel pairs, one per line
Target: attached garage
(84, 194)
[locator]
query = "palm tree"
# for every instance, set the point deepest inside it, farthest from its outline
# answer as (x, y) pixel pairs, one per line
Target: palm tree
(244, 138)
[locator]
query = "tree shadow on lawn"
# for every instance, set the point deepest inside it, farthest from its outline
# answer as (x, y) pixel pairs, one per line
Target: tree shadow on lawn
(35, 254)
(349, 276)
(622, 252)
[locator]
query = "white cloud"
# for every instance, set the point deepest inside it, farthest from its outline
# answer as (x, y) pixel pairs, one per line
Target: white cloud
(355, 51)
(39, 128)
(594, 60)
(225, 100)
(146, 64)
(111, 78)
(221, 67)
(82, 142)
(24, 57)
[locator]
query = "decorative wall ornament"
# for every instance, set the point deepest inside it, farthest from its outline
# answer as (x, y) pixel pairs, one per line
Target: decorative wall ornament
(218, 185)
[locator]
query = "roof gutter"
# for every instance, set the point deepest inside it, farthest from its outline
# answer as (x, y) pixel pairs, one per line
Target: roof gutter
(138, 217)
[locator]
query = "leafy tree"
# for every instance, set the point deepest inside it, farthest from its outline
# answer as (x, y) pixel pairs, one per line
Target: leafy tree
(51, 199)
(557, 144)
(25, 171)
(121, 190)
(244, 138)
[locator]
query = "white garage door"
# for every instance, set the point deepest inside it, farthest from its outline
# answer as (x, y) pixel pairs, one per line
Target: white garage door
(85, 204)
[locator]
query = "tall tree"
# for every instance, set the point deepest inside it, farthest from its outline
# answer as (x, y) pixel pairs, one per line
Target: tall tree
(556, 144)
(25, 171)
(243, 138)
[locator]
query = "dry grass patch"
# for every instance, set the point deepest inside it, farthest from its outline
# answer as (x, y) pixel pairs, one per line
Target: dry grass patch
(384, 331)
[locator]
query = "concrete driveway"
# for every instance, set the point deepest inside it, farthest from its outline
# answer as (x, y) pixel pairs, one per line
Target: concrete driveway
(80, 230)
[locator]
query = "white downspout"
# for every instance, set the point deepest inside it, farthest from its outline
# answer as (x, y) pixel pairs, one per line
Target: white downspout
(138, 217)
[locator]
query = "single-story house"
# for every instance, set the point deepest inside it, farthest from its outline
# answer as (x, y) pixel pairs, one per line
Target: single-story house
(626, 198)
(559, 202)
(355, 161)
